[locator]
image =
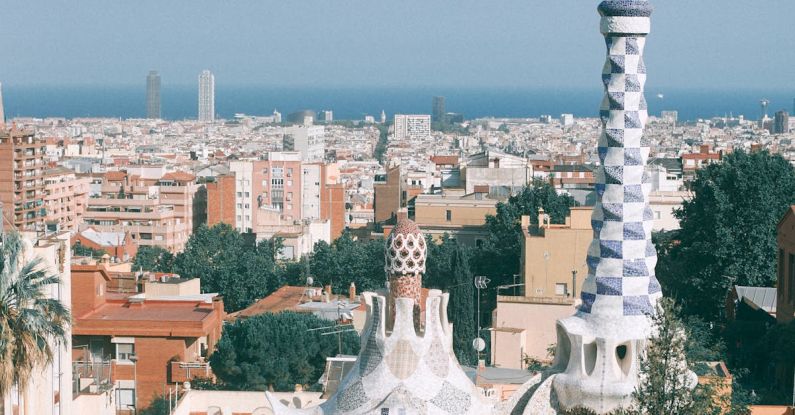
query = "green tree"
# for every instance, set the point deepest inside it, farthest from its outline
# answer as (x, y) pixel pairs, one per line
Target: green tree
(79, 249)
(244, 356)
(461, 309)
(347, 261)
(153, 258)
(200, 208)
(665, 386)
(728, 230)
(228, 264)
(30, 322)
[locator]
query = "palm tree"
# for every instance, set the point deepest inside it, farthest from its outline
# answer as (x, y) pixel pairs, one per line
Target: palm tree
(31, 324)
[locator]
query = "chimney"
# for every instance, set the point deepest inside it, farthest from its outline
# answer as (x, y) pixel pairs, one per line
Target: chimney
(352, 292)
(327, 296)
(541, 216)
(525, 222)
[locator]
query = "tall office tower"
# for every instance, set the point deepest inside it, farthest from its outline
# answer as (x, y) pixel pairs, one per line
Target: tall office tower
(438, 109)
(413, 127)
(153, 95)
(383, 117)
(598, 348)
(206, 96)
(763, 103)
(781, 123)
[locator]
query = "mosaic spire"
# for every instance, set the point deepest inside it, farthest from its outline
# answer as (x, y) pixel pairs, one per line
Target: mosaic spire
(622, 258)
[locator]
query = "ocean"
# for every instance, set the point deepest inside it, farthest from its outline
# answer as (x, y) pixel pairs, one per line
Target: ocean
(180, 102)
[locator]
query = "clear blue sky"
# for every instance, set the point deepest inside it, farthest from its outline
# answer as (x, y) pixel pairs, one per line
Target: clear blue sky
(720, 44)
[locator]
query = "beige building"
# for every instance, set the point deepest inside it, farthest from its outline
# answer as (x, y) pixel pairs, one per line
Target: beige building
(154, 206)
(65, 199)
(553, 268)
(553, 256)
(663, 205)
(462, 216)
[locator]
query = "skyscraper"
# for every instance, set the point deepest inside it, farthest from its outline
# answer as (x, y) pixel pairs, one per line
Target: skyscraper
(781, 123)
(153, 95)
(206, 96)
(438, 109)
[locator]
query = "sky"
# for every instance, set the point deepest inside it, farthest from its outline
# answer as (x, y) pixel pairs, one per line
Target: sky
(695, 44)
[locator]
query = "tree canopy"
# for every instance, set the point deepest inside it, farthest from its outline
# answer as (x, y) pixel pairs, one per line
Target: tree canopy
(228, 264)
(277, 351)
(728, 231)
(345, 261)
(153, 258)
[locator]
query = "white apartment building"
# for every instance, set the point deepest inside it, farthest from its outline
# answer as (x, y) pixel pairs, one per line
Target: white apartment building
(412, 127)
(309, 140)
(206, 96)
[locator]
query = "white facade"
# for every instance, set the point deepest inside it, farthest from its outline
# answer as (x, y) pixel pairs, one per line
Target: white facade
(310, 197)
(309, 140)
(567, 120)
(412, 127)
(243, 171)
(206, 96)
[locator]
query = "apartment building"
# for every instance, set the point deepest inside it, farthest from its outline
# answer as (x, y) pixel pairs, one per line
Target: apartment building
(22, 185)
(66, 197)
(280, 190)
(412, 127)
(460, 216)
(553, 268)
(308, 140)
(155, 206)
(144, 342)
(494, 169)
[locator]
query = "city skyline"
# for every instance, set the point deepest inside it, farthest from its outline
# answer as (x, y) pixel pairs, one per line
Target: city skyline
(492, 52)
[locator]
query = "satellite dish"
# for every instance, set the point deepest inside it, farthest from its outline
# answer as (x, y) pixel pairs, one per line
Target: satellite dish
(481, 282)
(310, 280)
(479, 344)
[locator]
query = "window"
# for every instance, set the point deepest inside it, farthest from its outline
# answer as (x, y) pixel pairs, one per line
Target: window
(561, 289)
(240, 206)
(247, 194)
(264, 171)
(124, 351)
(656, 214)
(126, 397)
(277, 183)
(289, 183)
(449, 214)
(289, 172)
(289, 196)
(247, 206)
(264, 183)
(239, 194)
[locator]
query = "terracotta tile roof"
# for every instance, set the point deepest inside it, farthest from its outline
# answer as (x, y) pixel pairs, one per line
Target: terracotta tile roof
(445, 160)
(115, 175)
(179, 176)
(285, 298)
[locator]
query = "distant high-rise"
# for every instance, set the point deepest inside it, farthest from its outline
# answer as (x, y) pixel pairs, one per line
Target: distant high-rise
(383, 117)
(153, 95)
(438, 109)
(781, 123)
(206, 96)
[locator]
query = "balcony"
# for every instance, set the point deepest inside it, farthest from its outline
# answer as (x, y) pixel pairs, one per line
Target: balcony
(187, 371)
(90, 376)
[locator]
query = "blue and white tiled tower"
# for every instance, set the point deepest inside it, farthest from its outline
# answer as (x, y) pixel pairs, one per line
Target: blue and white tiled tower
(598, 347)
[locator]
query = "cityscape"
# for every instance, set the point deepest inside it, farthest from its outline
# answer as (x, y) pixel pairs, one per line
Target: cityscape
(619, 252)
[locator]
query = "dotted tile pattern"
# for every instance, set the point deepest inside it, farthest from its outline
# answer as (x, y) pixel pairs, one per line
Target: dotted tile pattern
(405, 250)
(621, 258)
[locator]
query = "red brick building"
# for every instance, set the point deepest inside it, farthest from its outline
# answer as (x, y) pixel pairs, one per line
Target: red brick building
(221, 201)
(116, 244)
(149, 343)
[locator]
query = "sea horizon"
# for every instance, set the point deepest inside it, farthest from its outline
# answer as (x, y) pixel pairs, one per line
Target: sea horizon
(179, 102)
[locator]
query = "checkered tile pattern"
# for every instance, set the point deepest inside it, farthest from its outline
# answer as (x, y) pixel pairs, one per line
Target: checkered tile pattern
(621, 258)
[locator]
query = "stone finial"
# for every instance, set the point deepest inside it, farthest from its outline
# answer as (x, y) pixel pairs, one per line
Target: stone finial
(626, 8)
